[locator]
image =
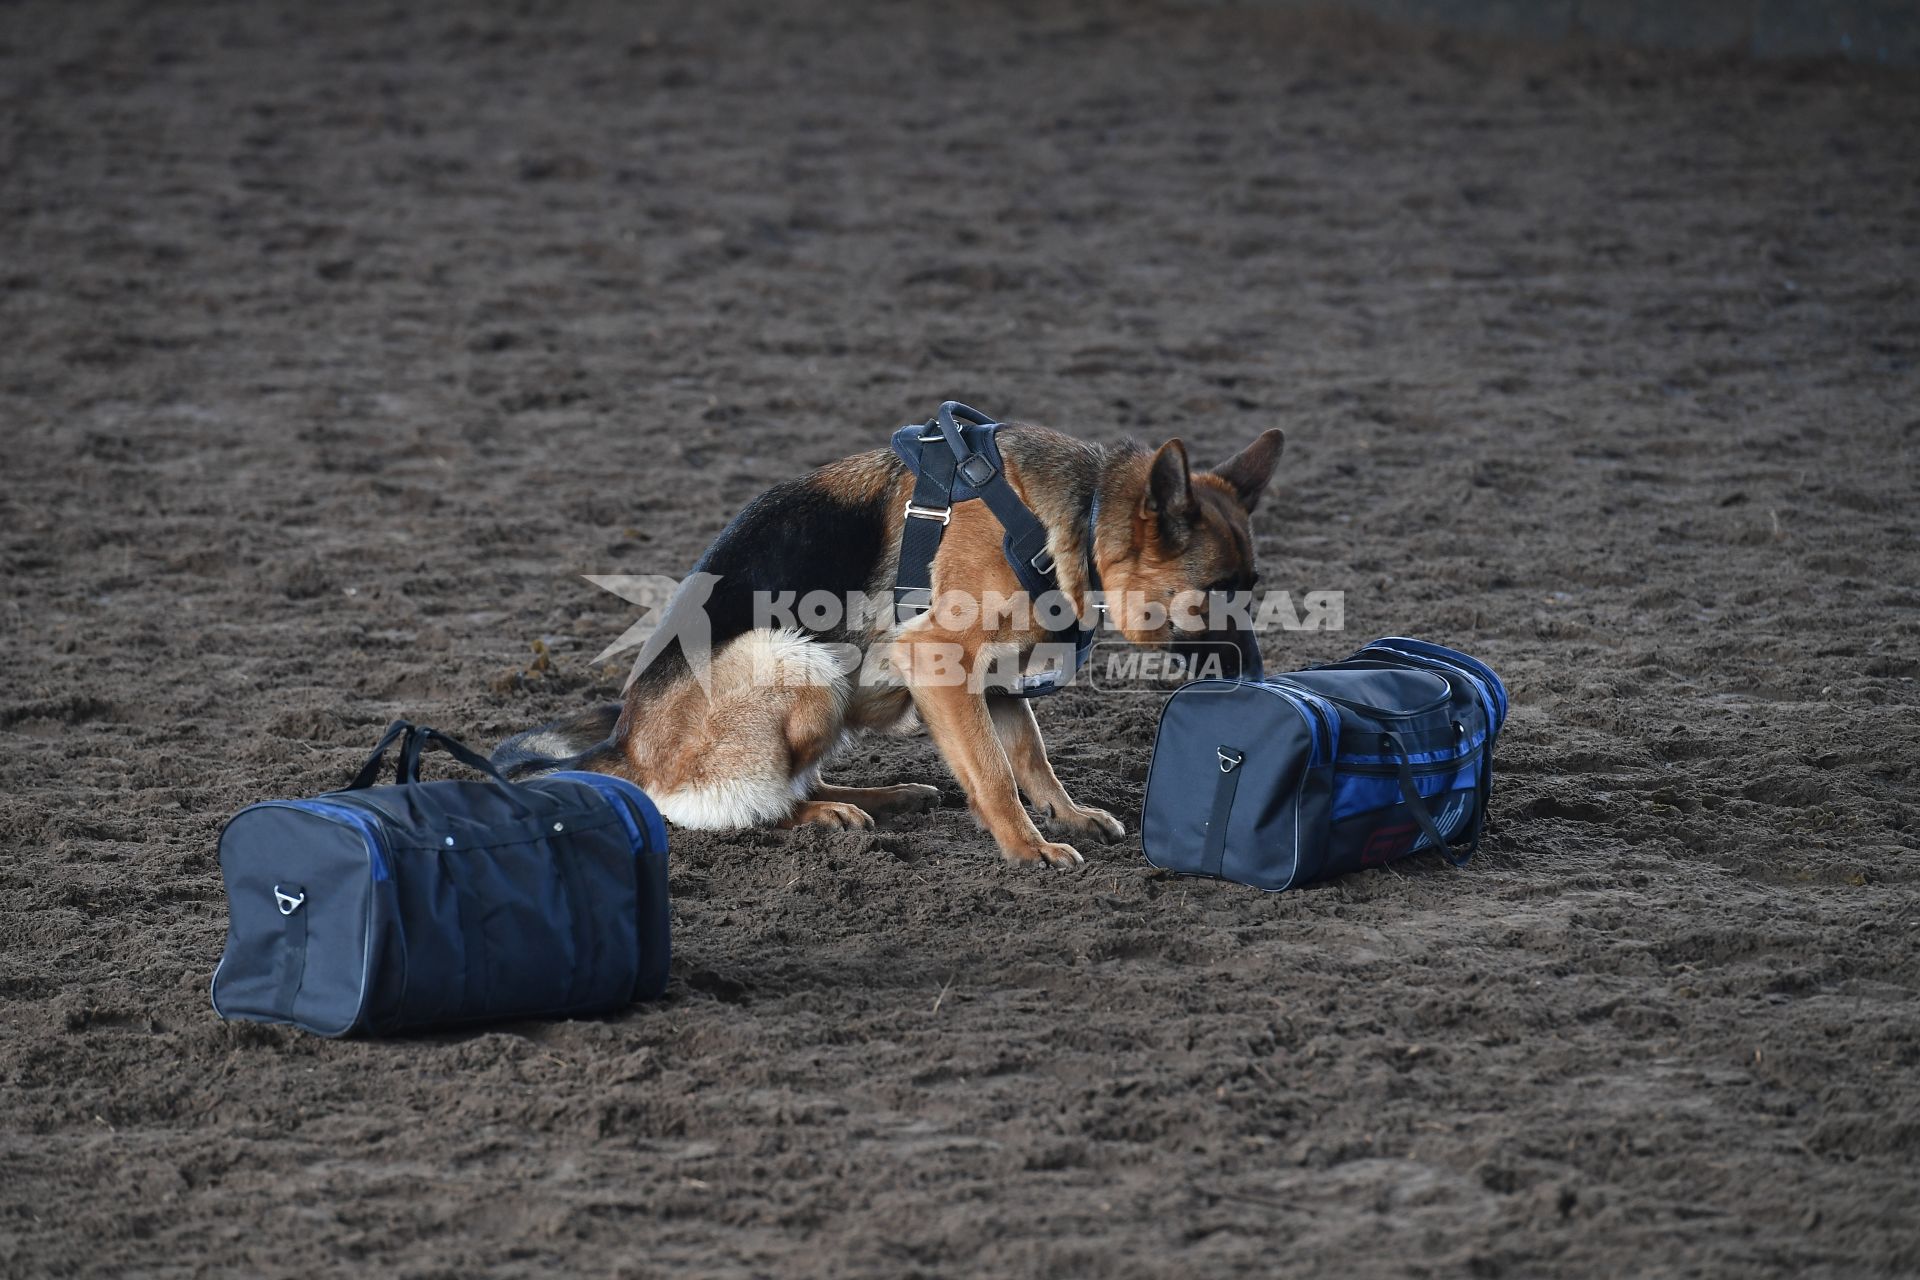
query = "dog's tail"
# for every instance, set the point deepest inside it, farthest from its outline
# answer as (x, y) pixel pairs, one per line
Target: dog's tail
(580, 741)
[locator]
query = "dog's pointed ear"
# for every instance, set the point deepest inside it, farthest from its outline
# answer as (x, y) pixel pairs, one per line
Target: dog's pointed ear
(1169, 491)
(1249, 470)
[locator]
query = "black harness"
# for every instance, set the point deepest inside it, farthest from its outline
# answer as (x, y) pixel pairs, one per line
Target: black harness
(964, 463)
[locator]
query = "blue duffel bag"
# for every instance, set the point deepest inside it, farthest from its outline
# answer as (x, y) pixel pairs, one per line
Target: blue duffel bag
(1293, 778)
(428, 904)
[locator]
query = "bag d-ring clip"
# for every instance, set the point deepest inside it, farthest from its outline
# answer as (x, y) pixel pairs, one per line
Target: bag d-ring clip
(289, 902)
(1229, 758)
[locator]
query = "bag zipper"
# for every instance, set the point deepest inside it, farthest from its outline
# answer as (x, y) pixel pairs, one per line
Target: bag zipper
(1382, 713)
(1454, 765)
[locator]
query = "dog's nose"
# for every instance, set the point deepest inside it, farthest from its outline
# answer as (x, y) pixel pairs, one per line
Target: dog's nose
(1231, 651)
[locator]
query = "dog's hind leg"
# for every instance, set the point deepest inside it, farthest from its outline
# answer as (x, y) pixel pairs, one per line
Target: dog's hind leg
(904, 797)
(881, 709)
(842, 814)
(746, 750)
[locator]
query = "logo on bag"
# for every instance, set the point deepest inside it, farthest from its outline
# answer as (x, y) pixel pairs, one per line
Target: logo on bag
(1454, 813)
(1388, 843)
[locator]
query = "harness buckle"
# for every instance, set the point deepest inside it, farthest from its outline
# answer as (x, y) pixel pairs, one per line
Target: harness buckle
(943, 514)
(976, 470)
(1045, 555)
(289, 902)
(1229, 758)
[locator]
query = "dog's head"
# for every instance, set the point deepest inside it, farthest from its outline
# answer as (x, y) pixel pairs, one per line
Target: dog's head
(1189, 537)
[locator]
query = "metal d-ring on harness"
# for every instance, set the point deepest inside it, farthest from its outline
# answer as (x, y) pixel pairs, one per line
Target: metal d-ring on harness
(967, 465)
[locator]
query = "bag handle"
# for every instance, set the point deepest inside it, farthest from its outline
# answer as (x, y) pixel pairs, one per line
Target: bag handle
(422, 738)
(414, 740)
(1417, 805)
(1214, 852)
(370, 771)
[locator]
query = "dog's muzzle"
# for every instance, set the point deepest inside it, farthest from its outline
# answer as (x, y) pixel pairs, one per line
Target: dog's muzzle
(1234, 653)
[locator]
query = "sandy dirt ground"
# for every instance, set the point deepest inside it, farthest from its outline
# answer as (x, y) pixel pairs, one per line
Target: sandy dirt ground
(335, 345)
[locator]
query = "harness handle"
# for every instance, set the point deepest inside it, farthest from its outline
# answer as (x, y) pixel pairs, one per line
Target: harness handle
(929, 509)
(952, 409)
(972, 467)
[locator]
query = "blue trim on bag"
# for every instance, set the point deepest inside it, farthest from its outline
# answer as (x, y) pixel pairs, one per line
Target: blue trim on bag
(363, 823)
(1322, 719)
(1313, 723)
(1355, 794)
(614, 791)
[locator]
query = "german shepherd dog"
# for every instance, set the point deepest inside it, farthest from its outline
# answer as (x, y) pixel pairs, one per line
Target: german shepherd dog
(736, 749)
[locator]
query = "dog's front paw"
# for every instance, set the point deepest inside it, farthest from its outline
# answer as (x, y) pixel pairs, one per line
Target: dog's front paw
(1047, 851)
(1094, 824)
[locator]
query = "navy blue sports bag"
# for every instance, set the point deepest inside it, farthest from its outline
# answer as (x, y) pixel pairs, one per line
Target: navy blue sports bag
(425, 904)
(1294, 778)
